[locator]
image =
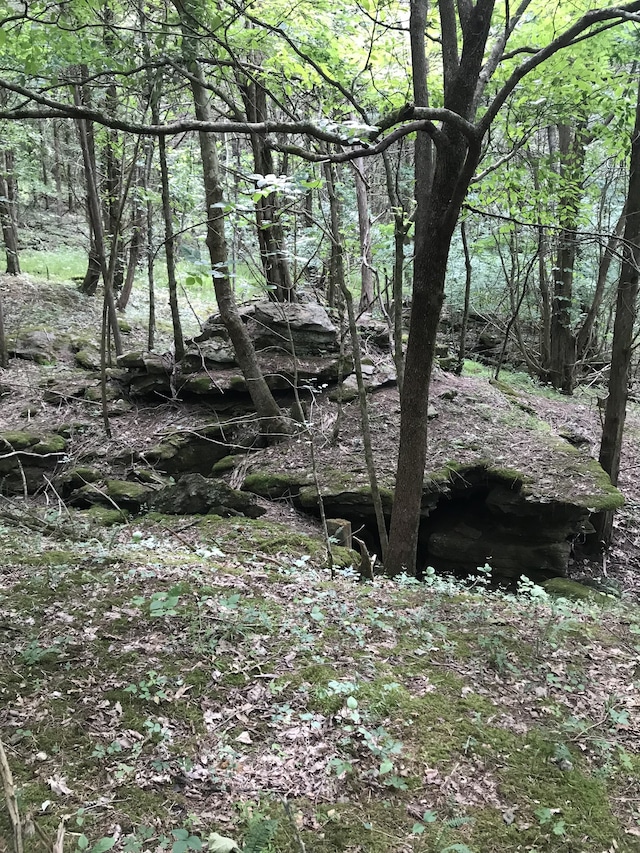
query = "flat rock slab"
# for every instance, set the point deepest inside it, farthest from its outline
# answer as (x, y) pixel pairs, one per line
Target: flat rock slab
(499, 485)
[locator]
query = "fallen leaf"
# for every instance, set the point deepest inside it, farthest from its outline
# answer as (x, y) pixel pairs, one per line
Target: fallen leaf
(221, 843)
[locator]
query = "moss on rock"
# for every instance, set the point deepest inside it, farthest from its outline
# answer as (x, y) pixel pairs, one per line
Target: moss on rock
(575, 591)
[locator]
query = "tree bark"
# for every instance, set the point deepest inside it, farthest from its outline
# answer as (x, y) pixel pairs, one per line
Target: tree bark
(94, 207)
(337, 279)
(563, 341)
(437, 213)
(615, 410)
(7, 216)
(272, 422)
(170, 251)
(364, 231)
(273, 253)
(467, 298)
(4, 352)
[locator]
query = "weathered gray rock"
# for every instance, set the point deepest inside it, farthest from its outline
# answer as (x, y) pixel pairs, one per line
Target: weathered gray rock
(38, 345)
(150, 362)
(189, 452)
(274, 325)
(194, 494)
(88, 357)
(25, 454)
(118, 494)
(211, 353)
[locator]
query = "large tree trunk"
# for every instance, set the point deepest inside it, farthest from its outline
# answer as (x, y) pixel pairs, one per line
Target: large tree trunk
(615, 410)
(272, 421)
(437, 214)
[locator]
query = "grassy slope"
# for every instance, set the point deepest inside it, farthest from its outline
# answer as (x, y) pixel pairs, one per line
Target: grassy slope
(218, 679)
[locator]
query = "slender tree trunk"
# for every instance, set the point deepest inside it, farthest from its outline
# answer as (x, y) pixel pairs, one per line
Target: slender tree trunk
(113, 170)
(563, 340)
(4, 352)
(170, 251)
(272, 421)
(467, 298)
(376, 497)
(364, 231)
(57, 165)
(151, 330)
(586, 333)
(615, 410)
(273, 253)
(94, 206)
(337, 278)
(7, 217)
(401, 225)
(135, 247)
(87, 144)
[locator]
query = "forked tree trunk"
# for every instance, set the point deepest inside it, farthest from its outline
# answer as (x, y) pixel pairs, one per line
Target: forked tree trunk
(615, 410)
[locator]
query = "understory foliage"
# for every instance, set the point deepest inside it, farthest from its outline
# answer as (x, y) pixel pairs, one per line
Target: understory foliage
(172, 689)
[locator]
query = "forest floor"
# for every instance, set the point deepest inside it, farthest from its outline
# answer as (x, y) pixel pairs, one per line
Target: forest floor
(176, 684)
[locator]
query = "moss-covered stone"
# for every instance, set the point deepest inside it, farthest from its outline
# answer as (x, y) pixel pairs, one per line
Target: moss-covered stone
(94, 392)
(128, 494)
(228, 463)
(189, 452)
(576, 591)
(17, 439)
(273, 485)
(50, 444)
(88, 358)
(105, 516)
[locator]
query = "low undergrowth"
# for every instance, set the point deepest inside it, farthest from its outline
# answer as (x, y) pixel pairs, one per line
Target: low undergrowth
(204, 687)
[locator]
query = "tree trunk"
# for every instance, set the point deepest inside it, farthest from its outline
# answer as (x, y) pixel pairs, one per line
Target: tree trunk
(86, 136)
(4, 352)
(364, 231)
(401, 224)
(336, 258)
(467, 298)
(7, 216)
(439, 203)
(94, 207)
(272, 421)
(615, 410)
(586, 334)
(563, 341)
(273, 253)
(170, 251)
